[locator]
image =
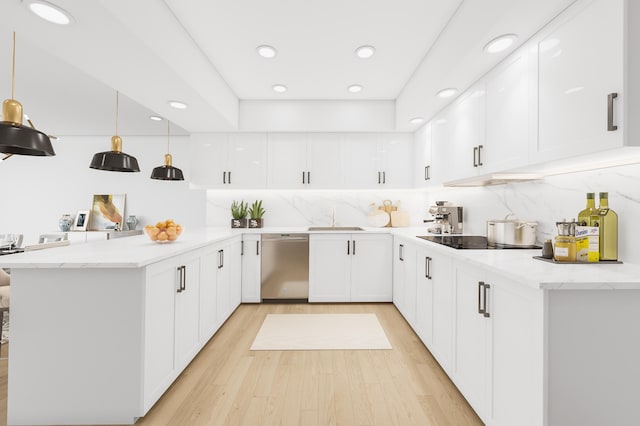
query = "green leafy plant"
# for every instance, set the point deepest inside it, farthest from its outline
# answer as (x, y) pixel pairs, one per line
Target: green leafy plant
(256, 211)
(239, 210)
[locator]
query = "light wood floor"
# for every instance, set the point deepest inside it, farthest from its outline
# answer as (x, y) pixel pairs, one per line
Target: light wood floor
(227, 384)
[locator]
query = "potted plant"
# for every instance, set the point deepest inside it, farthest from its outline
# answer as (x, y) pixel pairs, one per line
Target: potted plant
(239, 214)
(255, 214)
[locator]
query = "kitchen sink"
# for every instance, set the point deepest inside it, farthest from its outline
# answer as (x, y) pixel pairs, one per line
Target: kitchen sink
(335, 228)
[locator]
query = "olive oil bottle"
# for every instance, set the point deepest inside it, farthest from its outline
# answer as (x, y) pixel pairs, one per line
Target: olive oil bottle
(608, 229)
(584, 217)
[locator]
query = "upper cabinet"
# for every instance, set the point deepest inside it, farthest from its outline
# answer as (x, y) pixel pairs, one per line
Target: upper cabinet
(235, 160)
(580, 72)
(378, 160)
(301, 160)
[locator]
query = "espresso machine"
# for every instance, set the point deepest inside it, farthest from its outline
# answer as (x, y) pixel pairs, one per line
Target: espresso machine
(447, 219)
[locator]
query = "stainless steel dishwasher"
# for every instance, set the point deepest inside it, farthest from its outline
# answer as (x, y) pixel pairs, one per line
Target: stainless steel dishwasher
(285, 267)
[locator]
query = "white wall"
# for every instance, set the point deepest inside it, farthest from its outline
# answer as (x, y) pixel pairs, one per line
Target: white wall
(36, 191)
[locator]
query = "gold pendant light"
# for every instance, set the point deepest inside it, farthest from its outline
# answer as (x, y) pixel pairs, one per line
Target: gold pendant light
(14, 137)
(167, 172)
(115, 160)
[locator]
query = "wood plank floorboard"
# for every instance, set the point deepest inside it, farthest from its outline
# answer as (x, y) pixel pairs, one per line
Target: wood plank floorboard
(227, 384)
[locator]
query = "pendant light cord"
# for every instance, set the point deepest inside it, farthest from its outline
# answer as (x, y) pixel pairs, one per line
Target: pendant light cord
(13, 65)
(117, 97)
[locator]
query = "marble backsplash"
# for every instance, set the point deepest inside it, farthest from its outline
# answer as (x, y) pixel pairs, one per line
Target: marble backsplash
(545, 201)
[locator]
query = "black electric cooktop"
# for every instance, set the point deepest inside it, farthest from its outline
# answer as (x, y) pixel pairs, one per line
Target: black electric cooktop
(477, 242)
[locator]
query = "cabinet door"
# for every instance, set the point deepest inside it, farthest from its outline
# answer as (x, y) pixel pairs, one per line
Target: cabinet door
(440, 270)
(404, 279)
(580, 62)
(208, 159)
(362, 166)
(223, 288)
(159, 324)
(467, 145)
(517, 353)
(234, 263)
(187, 313)
(396, 151)
(507, 117)
(472, 367)
(325, 164)
(251, 263)
(247, 166)
(441, 157)
(399, 272)
(208, 293)
(424, 297)
(287, 156)
(329, 267)
(422, 157)
(371, 274)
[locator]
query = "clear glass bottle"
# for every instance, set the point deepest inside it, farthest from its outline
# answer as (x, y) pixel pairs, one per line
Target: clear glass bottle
(608, 229)
(584, 217)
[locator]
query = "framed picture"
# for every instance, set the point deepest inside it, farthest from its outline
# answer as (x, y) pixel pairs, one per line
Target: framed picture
(81, 221)
(107, 212)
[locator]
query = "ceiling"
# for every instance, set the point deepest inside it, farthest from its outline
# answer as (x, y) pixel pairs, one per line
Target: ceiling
(203, 52)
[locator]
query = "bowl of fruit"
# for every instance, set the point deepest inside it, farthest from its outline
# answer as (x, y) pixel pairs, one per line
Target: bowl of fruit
(163, 232)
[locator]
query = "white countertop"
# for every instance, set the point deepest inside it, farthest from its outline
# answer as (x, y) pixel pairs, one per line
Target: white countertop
(519, 265)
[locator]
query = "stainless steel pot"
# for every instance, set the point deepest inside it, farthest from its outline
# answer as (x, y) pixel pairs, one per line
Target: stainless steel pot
(512, 232)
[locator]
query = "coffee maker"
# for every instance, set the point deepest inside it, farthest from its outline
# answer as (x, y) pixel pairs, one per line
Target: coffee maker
(447, 219)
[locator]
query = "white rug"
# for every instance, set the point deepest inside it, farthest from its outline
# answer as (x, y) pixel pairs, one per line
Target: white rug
(283, 332)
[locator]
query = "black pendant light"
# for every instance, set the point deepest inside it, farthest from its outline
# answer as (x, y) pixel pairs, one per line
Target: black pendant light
(115, 160)
(167, 172)
(14, 137)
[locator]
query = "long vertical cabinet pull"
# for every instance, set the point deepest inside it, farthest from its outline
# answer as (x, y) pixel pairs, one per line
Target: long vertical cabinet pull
(610, 126)
(303, 182)
(348, 247)
(182, 278)
(384, 178)
(229, 177)
(242, 248)
(427, 267)
(427, 172)
(475, 155)
(308, 178)
(180, 274)
(401, 252)
(224, 177)
(479, 157)
(354, 247)
(257, 248)
(220, 259)
(482, 299)
(379, 178)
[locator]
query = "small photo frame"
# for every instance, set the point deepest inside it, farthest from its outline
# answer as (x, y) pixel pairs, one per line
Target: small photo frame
(81, 221)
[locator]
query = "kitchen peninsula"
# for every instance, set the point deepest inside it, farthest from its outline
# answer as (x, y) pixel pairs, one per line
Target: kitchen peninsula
(100, 330)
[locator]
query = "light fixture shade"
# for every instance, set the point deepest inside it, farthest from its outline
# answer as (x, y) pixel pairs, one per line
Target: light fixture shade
(114, 161)
(167, 173)
(18, 139)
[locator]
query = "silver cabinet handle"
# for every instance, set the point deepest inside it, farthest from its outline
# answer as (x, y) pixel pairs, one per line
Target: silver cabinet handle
(303, 182)
(224, 177)
(379, 178)
(486, 310)
(257, 248)
(483, 298)
(429, 268)
(480, 309)
(475, 154)
(348, 247)
(384, 178)
(400, 252)
(220, 259)
(229, 178)
(354, 247)
(242, 248)
(309, 178)
(427, 170)
(426, 267)
(479, 156)
(179, 290)
(610, 126)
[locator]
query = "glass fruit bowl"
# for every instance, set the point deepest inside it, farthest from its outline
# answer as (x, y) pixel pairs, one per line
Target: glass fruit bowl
(163, 232)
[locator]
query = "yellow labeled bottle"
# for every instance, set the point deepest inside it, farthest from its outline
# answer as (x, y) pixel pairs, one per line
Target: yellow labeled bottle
(608, 229)
(584, 217)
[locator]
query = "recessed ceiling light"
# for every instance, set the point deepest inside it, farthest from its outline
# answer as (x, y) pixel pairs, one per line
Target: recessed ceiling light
(365, 52)
(500, 43)
(416, 120)
(355, 88)
(266, 51)
(155, 118)
(50, 12)
(177, 105)
(447, 93)
(279, 88)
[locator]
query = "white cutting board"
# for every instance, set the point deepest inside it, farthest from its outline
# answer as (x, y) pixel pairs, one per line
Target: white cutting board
(378, 218)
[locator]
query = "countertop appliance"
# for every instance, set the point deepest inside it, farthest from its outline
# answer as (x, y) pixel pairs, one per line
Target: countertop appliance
(285, 267)
(474, 242)
(447, 219)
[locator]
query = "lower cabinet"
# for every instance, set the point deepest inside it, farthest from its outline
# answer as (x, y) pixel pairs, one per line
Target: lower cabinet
(498, 347)
(187, 298)
(404, 279)
(350, 268)
(251, 267)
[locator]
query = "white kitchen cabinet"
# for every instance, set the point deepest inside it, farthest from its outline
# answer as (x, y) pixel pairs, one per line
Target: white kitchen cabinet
(404, 279)
(575, 81)
(251, 264)
(171, 322)
(440, 149)
(350, 267)
(422, 166)
(498, 347)
(301, 160)
(378, 160)
(509, 124)
(208, 292)
(229, 287)
(234, 160)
